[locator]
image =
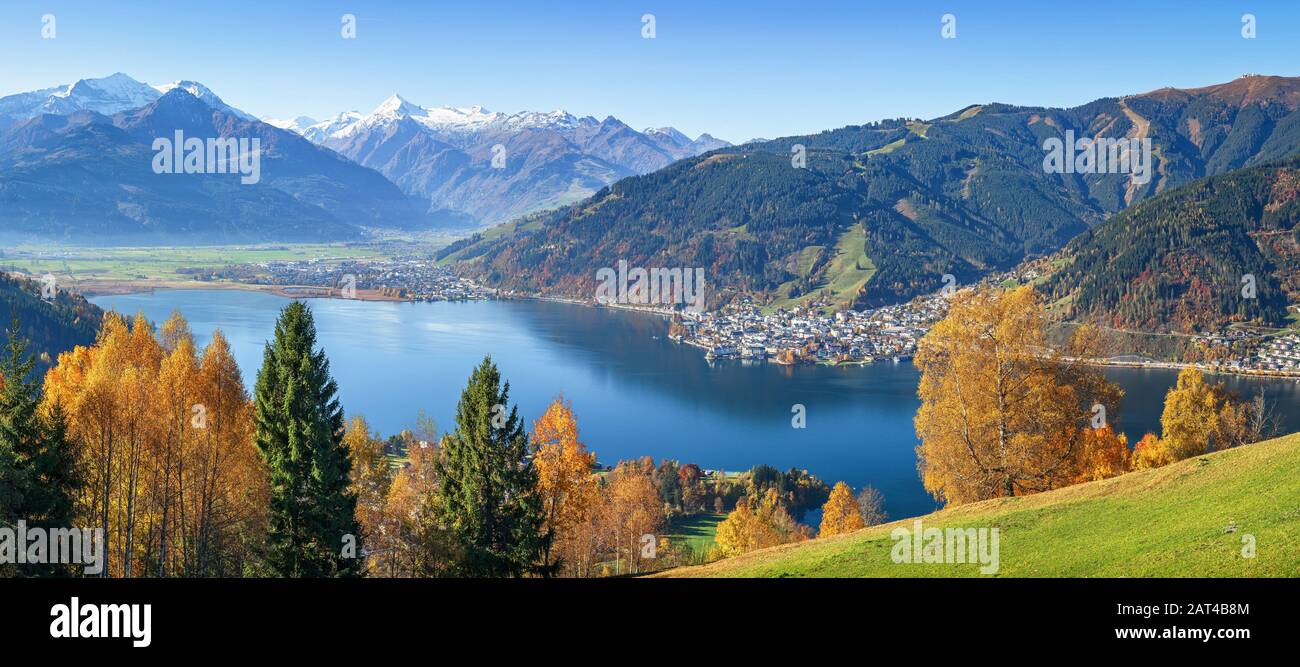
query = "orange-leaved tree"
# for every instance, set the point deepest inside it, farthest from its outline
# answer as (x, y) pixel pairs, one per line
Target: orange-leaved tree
(165, 439)
(841, 513)
(1002, 413)
(569, 488)
(757, 523)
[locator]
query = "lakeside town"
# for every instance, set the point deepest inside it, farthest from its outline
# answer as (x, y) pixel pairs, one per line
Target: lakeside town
(743, 331)
(404, 279)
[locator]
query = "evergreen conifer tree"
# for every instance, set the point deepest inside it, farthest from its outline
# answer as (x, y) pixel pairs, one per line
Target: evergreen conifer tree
(38, 468)
(487, 497)
(299, 423)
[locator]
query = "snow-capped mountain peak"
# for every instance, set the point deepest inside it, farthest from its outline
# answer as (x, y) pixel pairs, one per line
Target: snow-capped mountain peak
(558, 120)
(205, 95)
(670, 134)
(298, 124)
(396, 105)
(319, 132)
(107, 95)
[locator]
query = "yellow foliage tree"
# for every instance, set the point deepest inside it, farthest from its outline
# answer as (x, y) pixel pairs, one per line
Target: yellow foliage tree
(1191, 415)
(371, 477)
(841, 513)
(570, 491)
(409, 542)
(1102, 454)
(757, 524)
(630, 510)
(1150, 452)
(165, 438)
(1199, 417)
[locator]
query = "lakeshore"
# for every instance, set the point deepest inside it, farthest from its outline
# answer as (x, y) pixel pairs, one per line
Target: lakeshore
(635, 392)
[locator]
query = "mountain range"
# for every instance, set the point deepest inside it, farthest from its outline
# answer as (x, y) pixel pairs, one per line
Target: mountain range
(75, 164)
(881, 212)
(490, 166)
(88, 178)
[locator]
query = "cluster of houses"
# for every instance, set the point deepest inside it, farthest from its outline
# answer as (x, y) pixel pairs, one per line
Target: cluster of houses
(1240, 351)
(1281, 354)
(743, 331)
(417, 279)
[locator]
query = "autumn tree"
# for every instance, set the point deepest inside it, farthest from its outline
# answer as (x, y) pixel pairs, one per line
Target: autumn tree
(630, 511)
(1199, 417)
(757, 523)
(487, 494)
(569, 490)
(871, 503)
(107, 391)
(1150, 452)
(225, 492)
(165, 443)
(371, 477)
(410, 541)
(691, 482)
(1103, 453)
(181, 414)
(1001, 413)
(841, 513)
(313, 525)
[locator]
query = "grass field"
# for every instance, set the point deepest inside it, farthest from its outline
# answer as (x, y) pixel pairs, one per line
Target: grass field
(842, 276)
(1189, 519)
(162, 263)
(492, 233)
(696, 532)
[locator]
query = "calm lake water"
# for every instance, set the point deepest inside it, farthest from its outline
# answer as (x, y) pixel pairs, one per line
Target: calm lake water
(635, 393)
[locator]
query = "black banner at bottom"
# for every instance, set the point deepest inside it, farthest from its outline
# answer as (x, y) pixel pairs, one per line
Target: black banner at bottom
(228, 618)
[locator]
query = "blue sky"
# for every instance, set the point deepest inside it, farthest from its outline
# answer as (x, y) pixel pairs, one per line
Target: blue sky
(734, 69)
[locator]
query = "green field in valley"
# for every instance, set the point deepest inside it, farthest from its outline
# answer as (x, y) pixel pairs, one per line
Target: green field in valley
(163, 262)
(696, 532)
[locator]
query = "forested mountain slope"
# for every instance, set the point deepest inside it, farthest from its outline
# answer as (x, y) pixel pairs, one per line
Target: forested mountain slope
(51, 325)
(1220, 250)
(896, 204)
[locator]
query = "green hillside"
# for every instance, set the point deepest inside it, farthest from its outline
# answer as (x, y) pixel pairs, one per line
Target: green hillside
(1188, 519)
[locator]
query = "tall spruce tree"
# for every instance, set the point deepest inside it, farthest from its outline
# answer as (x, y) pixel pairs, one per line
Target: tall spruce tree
(38, 468)
(313, 526)
(487, 496)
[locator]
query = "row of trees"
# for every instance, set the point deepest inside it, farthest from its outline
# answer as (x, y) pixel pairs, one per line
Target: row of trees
(1003, 414)
(580, 522)
(1201, 417)
(158, 443)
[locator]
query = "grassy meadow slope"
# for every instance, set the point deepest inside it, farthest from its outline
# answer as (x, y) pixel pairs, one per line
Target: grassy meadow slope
(1174, 521)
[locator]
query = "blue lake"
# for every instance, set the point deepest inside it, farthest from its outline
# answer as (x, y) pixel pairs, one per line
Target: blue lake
(635, 393)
